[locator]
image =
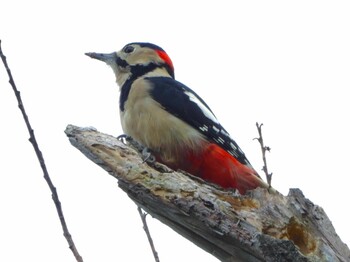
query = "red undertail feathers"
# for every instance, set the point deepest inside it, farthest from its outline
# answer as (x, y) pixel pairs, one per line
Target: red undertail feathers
(216, 165)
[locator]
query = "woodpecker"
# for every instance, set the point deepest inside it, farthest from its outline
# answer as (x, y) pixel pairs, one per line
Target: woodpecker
(172, 121)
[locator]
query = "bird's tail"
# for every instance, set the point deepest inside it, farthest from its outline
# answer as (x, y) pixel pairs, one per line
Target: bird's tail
(219, 167)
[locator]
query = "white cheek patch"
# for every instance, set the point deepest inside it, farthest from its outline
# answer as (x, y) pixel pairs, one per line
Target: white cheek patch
(204, 109)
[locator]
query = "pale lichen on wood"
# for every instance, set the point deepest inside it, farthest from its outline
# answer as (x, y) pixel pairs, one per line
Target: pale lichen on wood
(258, 226)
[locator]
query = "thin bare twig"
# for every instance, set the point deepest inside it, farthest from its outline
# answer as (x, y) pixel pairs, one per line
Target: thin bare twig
(145, 227)
(263, 151)
(40, 157)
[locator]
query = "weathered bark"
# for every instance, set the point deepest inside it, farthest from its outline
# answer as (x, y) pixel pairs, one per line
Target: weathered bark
(258, 226)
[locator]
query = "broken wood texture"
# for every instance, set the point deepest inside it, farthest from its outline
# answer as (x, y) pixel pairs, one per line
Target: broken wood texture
(258, 226)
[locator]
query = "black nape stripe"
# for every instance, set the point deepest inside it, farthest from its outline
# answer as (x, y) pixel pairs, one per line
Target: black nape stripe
(169, 70)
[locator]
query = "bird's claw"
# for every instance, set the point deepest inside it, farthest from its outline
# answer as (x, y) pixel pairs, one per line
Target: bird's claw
(147, 155)
(128, 140)
(124, 138)
(145, 152)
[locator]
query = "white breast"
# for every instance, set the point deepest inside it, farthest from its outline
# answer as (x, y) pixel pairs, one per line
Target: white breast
(145, 120)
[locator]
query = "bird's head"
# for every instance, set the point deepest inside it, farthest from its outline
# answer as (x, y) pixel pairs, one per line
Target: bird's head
(137, 59)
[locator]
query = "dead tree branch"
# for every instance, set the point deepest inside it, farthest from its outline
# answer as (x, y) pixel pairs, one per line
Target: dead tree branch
(263, 151)
(40, 157)
(258, 226)
(145, 228)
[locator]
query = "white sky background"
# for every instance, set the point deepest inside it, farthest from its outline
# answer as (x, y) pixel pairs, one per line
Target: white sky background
(285, 64)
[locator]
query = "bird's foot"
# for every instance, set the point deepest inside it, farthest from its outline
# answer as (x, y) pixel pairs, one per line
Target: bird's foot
(124, 138)
(147, 156)
(145, 152)
(128, 140)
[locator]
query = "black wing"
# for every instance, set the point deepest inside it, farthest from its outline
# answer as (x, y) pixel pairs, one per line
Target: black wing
(181, 101)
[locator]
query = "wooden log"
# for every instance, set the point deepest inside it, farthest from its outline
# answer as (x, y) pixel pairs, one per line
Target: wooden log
(258, 226)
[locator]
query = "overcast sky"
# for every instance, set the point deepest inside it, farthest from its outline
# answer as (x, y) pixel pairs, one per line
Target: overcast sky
(284, 64)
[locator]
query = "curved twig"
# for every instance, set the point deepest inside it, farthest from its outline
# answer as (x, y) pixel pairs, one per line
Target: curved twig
(40, 157)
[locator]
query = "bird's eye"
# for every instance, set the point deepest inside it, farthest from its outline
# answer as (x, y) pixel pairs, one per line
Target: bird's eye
(128, 49)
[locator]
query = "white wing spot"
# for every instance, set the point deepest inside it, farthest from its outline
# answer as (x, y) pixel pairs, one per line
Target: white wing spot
(224, 132)
(233, 146)
(204, 128)
(216, 129)
(204, 109)
(233, 153)
(222, 141)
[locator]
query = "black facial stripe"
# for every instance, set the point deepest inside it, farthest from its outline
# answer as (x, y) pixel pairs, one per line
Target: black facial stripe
(121, 62)
(140, 70)
(124, 93)
(136, 72)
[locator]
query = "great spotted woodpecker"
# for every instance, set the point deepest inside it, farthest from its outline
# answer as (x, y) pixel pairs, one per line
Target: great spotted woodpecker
(172, 121)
